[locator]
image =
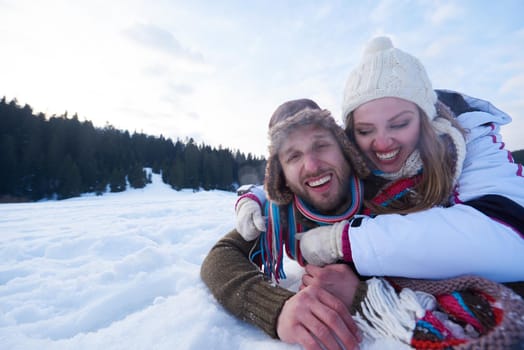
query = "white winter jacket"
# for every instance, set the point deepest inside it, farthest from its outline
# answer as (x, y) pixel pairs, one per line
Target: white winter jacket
(482, 233)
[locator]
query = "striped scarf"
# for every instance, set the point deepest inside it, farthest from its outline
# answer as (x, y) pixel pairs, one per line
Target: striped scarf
(393, 191)
(278, 236)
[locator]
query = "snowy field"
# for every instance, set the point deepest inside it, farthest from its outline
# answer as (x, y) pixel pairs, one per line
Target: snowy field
(119, 271)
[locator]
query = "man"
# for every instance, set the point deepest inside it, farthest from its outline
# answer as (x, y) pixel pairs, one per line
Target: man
(311, 157)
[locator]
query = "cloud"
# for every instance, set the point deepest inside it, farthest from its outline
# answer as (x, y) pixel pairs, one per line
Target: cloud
(181, 89)
(382, 11)
(445, 12)
(323, 12)
(5, 4)
(441, 45)
(174, 93)
(513, 84)
(157, 38)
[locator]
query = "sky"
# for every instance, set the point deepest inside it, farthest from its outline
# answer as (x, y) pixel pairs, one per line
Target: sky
(216, 70)
(121, 271)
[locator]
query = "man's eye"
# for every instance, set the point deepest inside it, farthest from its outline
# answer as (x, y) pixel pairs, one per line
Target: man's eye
(292, 158)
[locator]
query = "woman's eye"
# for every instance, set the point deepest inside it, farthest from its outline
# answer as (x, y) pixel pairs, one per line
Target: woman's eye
(363, 132)
(399, 125)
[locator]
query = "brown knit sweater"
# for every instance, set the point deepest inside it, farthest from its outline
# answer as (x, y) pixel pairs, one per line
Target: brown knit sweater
(240, 286)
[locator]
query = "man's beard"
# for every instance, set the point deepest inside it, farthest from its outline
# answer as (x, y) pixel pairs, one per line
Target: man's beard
(338, 203)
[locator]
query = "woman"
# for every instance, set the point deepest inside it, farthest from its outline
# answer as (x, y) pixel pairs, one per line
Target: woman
(463, 200)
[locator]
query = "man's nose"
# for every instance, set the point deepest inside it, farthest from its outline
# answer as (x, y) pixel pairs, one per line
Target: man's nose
(311, 162)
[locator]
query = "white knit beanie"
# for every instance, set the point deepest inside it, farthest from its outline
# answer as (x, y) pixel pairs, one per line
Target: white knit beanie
(386, 71)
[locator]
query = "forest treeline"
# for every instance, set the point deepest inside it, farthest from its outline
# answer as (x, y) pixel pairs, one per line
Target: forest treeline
(61, 157)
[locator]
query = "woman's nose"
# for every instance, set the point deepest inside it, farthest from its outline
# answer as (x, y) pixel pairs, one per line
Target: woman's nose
(382, 141)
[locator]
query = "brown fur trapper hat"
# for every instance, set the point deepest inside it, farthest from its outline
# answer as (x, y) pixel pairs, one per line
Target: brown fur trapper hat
(289, 116)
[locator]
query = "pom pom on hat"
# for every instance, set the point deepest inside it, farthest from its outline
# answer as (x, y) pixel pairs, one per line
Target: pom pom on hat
(378, 44)
(385, 71)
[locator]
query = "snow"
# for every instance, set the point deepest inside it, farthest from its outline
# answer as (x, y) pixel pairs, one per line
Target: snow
(118, 271)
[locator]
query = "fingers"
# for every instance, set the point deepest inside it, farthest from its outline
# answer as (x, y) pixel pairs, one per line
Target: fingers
(325, 319)
(311, 275)
(326, 275)
(337, 317)
(320, 333)
(294, 322)
(308, 340)
(337, 279)
(313, 270)
(328, 270)
(307, 279)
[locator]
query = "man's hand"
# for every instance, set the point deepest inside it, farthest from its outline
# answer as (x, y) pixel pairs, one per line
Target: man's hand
(338, 279)
(323, 245)
(316, 319)
(249, 220)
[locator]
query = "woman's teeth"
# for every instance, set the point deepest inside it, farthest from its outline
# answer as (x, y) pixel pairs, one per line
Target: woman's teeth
(387, 156)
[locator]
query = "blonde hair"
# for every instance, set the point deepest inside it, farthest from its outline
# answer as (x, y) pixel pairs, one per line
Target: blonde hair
(438, 155)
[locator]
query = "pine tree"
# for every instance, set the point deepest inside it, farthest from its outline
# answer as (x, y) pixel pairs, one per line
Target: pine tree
(192, 166)
(137, 177)
(8, 164)
(117, 182)
(70, 181)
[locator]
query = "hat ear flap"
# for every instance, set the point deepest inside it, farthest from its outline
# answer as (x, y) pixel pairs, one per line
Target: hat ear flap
(352, 154)
(275, 183)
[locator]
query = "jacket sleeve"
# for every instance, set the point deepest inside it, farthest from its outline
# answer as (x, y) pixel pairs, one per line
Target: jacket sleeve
(438, 243)
(239, 285)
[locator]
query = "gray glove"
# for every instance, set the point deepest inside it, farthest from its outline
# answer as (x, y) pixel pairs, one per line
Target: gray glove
(249, 220)
(323, 245)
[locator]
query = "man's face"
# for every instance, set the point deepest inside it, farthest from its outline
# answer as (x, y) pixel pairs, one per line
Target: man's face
(315, 168)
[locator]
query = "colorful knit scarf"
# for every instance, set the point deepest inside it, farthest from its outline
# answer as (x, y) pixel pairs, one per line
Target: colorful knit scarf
(278, 236)
(394, 191)
(467, 312)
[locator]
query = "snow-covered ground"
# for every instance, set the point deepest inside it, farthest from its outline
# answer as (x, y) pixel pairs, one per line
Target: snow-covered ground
(119, 271)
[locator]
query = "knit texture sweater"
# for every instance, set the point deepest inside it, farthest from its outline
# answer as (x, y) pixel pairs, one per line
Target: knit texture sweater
(241, 287)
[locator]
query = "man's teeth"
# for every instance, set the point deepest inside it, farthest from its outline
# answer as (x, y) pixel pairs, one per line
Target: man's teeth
(387, 156)
(320, 181)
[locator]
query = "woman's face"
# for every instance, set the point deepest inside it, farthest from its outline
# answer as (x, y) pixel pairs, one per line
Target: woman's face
(387, 131)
